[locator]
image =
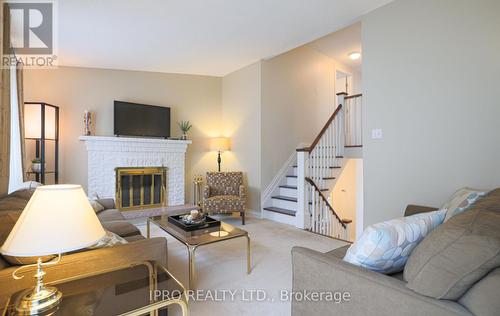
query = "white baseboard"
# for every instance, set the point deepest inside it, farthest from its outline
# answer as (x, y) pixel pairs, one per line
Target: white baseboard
(254, 213)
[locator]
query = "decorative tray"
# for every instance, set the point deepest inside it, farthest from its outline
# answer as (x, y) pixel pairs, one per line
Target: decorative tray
(208, 222)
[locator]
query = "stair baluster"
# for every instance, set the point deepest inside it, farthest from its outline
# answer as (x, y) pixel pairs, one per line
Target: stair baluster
(314, 171)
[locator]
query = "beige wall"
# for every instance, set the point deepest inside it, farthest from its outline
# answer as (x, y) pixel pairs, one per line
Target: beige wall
(345, 194)
(298, 96)
(194, 98)
(241, 116)
(430, 80)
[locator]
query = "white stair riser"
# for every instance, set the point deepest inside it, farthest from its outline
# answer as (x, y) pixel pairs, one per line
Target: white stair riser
(328, 172)
(294, 171)
(289, 205)
(280, 218)
(291, 181)
(288, 192)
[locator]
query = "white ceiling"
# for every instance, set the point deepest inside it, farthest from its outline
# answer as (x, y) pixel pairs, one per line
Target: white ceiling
(208, 37)
(340, 44)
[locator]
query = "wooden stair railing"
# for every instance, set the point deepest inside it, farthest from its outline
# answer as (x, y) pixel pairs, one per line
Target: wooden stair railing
(322, 132)
(314, 174)
(324, 219)
(316, 163)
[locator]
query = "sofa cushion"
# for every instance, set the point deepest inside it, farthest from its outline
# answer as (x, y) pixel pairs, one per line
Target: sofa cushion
(461, 201)
(110, 215)
(107, 203)
(458, 253)
(7, 221)
(16, 201)
(385, 247)
(339, 252)
(134, 238)
(121, 228)
(482, 298)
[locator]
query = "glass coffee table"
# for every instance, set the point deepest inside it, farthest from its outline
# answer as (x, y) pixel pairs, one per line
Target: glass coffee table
(193, 240)
(145, 288)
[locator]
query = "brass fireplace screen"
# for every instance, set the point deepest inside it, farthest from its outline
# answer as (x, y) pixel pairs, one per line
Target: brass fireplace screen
(140, 187)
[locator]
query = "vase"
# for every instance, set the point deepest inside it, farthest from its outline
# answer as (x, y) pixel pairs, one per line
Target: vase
(36, 167)
(87, 123)
(184, 136)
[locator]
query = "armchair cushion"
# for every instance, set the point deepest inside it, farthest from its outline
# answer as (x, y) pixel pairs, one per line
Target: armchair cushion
(224, 203)
(224, 192)
(224, 183)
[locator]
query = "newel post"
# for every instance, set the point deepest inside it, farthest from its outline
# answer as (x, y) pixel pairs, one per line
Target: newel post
(340, 126)
(302, 215)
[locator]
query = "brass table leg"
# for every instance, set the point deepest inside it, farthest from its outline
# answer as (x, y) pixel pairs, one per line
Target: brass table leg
(191, 259)
(148, 229)
(249, 264)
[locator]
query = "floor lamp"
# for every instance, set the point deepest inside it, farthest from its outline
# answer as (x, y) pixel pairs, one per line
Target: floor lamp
(220, 145)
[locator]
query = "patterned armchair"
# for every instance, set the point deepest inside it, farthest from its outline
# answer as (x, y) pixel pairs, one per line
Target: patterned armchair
(225, 193)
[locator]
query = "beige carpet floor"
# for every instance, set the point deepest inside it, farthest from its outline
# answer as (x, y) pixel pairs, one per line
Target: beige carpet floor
(222, 266)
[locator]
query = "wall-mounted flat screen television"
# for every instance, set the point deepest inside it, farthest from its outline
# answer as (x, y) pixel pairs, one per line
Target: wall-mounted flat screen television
(133, 119)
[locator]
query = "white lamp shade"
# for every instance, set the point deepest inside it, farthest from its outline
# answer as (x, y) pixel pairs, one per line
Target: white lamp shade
(219, 144)
(57, 219)
(33, 121)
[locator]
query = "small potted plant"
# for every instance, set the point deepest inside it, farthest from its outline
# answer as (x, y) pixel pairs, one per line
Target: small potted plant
(185, 126)
(36, 165)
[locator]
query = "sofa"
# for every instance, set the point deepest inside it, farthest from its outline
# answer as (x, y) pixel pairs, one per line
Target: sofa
(137, 249)
(225, 193)
(372, 293)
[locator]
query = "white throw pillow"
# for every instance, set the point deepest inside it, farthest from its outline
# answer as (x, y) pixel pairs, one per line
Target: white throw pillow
(29, 185)
(385, 247)
(109, 240)
(461, 200)
(96, 206)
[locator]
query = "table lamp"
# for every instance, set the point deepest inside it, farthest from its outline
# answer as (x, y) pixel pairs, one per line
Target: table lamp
(57, 219)
(219, 144)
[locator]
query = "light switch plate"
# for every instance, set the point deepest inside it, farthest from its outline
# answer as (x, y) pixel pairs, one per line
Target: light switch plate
(377, 133)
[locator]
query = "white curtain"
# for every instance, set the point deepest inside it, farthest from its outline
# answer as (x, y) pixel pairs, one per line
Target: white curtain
(16, 165)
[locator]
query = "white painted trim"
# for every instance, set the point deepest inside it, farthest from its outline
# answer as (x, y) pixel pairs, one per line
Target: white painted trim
(134, 139)
(282, 173)
(254, 213)
(302, 215)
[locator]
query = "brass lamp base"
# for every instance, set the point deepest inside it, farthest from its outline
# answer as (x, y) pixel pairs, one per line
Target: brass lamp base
(34, 301)
(40, 300)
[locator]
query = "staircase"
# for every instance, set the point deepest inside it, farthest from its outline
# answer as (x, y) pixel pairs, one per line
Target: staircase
(302, 197)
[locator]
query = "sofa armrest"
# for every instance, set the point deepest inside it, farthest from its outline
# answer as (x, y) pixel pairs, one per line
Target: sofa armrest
(370, 293)
(243, 192)
(206, 191)
(82, 263)
(108, 204)
(416, 209)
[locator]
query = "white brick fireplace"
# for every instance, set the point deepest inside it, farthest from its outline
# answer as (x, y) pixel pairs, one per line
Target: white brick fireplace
(107, 153)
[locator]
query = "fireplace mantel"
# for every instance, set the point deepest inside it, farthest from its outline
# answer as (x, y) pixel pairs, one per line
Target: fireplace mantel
(136, 141)
(105, 153)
